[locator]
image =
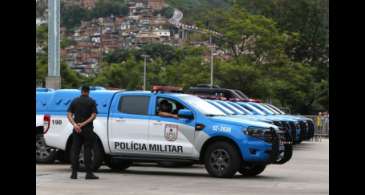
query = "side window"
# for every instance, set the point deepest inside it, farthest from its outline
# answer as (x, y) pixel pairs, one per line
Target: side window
(173, 106)
(134, 104)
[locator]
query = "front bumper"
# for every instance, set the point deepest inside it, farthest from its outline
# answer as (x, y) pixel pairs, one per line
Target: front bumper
(282, 149)
(278, 151)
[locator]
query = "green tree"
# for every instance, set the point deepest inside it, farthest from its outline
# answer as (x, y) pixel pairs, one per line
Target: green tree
(42, 35)
(69, 78)
(126, 75)
(310, 18)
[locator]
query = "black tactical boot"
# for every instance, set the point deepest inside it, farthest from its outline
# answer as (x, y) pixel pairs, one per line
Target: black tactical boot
(74, 175)
(91, 176)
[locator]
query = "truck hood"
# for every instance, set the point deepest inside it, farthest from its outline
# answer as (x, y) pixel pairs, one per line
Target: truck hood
(254, 117)
(241, 122)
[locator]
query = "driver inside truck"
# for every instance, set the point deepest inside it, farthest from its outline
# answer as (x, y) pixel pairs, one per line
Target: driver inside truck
(165, 109)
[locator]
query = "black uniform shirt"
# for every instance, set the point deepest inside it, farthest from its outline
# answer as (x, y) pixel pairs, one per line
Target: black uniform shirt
(82, 107)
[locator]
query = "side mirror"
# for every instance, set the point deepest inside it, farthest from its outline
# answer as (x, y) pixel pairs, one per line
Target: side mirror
(185, 113)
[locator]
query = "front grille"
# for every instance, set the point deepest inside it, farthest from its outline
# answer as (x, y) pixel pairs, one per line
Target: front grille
(303, 130)
(310, 128)
(285, 125)
(277, 123)
(284, 137)
(275, 146)
(293, 130)
(280, 125)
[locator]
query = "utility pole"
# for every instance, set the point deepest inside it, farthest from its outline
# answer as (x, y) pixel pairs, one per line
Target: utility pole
(53, 80)
(144, 71)
(211, 62)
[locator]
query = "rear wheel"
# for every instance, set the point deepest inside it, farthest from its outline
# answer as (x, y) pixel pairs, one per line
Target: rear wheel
(44, 153)
(251, 170)
(222, 160)
(118, 165)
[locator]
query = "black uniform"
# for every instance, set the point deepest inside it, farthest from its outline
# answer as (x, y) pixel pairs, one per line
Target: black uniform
(82, 108)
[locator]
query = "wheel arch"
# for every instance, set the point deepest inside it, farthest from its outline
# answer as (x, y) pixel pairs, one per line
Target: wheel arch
(218, 139)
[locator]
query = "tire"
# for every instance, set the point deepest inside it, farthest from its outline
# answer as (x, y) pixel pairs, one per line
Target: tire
(119, 165)
(61, 157)
(288, 153)
(44, 153)
(222, 160)
(175, 164)
(251, 170)
(97, 157)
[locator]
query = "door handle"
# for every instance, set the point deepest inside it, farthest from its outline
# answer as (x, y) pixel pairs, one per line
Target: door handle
(120, 120)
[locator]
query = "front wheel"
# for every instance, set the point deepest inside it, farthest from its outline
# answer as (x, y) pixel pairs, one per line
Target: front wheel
(251, 170)
(222, 160)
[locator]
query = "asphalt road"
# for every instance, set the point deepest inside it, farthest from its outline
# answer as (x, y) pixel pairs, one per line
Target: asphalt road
(306, 173)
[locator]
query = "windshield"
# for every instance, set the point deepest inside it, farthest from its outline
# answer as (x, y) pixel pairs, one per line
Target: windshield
(275, 108)
(262, 108)
(251, 108)
(241, 94)
(241, 108)
(235, 110)
(202, 106)
(271, 109)
(220, 107)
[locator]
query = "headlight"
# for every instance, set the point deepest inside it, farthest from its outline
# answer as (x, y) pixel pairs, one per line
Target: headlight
(278, 123)
(260, 133)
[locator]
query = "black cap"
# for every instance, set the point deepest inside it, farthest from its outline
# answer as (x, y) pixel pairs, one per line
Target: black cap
(85, 88)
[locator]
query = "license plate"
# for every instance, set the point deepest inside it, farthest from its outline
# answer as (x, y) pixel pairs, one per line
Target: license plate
(285, 142)
(281, 147)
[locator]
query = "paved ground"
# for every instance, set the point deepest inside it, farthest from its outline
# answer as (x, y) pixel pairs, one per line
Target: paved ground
(306, 173)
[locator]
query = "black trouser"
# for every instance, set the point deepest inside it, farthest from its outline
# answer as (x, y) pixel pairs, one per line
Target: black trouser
(85, 137)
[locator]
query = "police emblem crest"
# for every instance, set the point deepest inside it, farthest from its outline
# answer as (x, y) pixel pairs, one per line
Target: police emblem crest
(171, 132)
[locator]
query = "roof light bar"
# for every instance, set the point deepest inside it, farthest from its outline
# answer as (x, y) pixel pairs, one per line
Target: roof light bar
(159, 88)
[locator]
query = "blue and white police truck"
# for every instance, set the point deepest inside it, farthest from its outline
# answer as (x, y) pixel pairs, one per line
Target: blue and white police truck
(235, 110)
(230, 109)
(306, 123)
(289, 123)
(129, 128)
(302, 130)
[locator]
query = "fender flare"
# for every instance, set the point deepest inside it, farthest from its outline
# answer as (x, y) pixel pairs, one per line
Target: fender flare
(216, 139)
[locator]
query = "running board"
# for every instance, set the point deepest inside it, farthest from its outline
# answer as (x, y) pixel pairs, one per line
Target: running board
(149, 158)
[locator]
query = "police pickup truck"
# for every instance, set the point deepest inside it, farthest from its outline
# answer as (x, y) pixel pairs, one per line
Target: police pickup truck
(129, 127)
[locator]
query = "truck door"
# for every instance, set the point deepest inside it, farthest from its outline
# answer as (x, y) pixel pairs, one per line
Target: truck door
(169, 136)
(128, 124)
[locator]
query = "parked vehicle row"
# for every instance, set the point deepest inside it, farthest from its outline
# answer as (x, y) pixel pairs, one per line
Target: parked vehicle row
(237, 104)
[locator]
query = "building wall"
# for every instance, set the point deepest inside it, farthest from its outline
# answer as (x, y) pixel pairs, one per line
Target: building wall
(88, 4)
(156, 4)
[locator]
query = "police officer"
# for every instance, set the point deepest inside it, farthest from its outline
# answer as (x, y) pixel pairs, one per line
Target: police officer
(165, 109)
(81, 113)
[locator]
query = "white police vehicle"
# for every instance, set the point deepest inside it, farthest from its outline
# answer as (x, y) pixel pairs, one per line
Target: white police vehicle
(128, 129)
